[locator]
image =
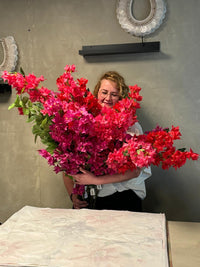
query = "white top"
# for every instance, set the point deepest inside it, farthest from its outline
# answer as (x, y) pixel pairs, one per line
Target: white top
(136, 184)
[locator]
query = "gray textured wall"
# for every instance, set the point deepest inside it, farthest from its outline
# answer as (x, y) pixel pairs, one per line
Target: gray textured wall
(49, 34)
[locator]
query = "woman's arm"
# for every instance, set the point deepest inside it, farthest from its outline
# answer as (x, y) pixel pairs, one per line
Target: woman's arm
(87, 177)
(69, 185)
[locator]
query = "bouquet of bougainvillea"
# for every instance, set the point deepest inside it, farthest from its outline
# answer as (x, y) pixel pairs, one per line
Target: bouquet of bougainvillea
(78, 132)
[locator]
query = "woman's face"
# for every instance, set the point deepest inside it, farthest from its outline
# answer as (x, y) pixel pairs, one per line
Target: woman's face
(108, 94)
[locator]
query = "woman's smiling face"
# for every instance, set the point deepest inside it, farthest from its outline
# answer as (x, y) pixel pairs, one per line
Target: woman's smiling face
(108, 94)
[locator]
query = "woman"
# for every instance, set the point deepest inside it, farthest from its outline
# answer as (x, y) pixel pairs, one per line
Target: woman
(118, 191)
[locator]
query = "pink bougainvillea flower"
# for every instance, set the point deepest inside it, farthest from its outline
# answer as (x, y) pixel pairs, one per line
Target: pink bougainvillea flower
(32, 81)
(47, 156)
(70, 68)
(79, 132)
(17, 81)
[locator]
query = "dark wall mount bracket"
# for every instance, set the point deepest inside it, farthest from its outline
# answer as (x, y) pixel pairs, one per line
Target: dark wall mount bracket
(98, 50)
(5, 89)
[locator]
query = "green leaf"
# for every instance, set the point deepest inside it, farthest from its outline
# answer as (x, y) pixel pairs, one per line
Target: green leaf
(182, 149)
(32, 110)
(44, 122)
(17, 101)
(11, 106)
(125, 153)
(38, 106)
(30, 104)
(36, 129)
(39, 118)
(25, 111)
(140, 150)
(22, 71)
(21, 103)
(22, 90)
(51, 147)
(35, 138)
(25, 100)
(31, 118)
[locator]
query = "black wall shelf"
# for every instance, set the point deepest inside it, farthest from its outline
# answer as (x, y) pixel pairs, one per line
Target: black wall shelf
(98, 50)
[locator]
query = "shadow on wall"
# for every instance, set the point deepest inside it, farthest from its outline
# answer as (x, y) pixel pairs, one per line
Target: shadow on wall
(170, 192)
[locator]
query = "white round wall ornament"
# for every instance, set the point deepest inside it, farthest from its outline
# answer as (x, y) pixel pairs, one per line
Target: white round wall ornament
(10, 54)
(140, 27)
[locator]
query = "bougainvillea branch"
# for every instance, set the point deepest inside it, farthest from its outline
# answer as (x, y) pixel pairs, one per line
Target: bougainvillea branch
(78, 132)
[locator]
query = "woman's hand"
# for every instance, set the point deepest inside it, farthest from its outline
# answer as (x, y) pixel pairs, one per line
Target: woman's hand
(77, 203)
(85, 178)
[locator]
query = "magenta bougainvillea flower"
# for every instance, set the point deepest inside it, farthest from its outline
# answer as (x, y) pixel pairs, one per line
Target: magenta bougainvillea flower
(78, 132)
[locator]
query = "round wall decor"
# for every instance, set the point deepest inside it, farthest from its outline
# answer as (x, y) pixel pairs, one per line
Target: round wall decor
(140, 27)
(10, 54)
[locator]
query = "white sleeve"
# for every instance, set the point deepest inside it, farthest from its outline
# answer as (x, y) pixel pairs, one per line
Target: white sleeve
(144, 174)
(135, 129)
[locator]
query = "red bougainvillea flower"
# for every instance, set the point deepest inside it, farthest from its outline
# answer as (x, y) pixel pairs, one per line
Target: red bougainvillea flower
(20, 110)
(78, 132)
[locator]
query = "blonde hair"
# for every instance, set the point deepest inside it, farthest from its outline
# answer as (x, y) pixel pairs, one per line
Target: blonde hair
(114, 77)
